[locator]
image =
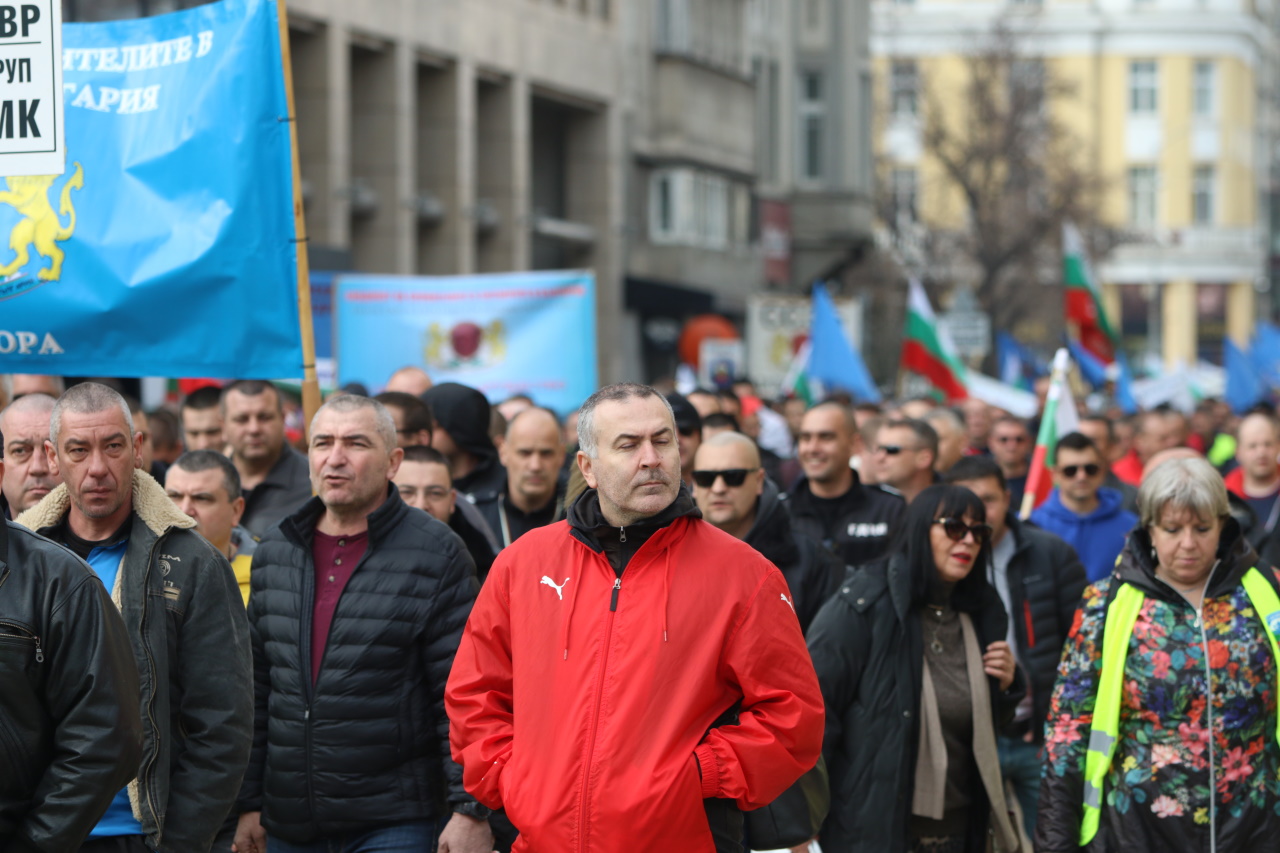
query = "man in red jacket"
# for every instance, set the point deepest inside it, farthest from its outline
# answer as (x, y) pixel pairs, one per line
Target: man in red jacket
(631, 678)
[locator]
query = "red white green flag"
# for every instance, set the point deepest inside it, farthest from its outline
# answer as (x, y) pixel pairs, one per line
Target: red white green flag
(928, 352)
(1058, 419)
(1086, 317)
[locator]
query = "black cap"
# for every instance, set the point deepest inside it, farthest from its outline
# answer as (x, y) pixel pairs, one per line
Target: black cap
(687, 417)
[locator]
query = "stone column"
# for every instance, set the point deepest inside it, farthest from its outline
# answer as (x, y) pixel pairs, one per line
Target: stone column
(1178, 313)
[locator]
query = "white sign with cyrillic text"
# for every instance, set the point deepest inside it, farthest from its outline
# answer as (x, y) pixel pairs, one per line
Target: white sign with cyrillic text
(32, 139)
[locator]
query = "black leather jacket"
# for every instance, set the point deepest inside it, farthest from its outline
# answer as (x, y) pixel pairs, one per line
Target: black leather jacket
(70, 734)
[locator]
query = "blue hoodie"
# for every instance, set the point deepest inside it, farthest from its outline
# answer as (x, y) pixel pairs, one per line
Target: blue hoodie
(1097, 537)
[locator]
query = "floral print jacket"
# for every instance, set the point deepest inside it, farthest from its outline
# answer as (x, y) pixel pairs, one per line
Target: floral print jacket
(1197, 765)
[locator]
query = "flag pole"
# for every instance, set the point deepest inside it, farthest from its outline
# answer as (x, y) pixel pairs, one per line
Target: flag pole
(310, 382)
(1047, 433)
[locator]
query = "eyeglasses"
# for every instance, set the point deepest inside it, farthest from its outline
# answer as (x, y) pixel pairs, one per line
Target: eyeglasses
(1090, 469)
(956, 530)
(733, 477)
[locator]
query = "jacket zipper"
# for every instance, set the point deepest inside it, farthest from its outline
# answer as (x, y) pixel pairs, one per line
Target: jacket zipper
(151, 664)
(595, 716)
(1208, 707)
(14, 630)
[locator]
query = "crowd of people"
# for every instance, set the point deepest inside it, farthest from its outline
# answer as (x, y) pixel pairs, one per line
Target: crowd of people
(665, 622)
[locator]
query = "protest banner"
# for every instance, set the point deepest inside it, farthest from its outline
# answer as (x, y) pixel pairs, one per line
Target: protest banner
(170, 246)
(528, 332)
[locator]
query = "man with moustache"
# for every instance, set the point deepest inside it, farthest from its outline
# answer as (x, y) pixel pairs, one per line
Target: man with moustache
(632, 677)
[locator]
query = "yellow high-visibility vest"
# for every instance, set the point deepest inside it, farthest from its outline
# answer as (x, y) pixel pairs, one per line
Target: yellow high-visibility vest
(1122, 613)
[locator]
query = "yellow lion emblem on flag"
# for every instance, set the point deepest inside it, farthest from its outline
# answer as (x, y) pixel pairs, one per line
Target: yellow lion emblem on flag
(40, 225)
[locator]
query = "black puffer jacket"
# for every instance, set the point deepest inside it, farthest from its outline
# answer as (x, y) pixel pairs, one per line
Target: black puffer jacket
(70, 731)
(868, 649)
(812, 572)
(1046, 579)
(368, 744)
(868, 517)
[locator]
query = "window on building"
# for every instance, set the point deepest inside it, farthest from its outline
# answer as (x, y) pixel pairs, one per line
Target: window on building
(813, 125)
(903, 88)
(671, 21)
(1143, 87)
(1142, 196)
(1202, 186)
(903, 191)
(696, 208)
(1203, 82)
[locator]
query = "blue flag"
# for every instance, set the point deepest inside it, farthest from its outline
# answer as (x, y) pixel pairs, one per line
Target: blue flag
(1245, 387)
(168, 247)
(1017, 365)
(833, 361)
(1265, 352)
(1098, 374)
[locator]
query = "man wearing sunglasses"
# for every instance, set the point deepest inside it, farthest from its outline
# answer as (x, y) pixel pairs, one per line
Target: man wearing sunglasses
(1039, 578)
(1011, 447)
(733, 493)
(1080, 510)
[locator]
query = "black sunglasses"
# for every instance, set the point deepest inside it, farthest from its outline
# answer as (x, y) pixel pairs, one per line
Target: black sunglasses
(956, 530)
(733, 477)
(891, 449)
(1091, 469)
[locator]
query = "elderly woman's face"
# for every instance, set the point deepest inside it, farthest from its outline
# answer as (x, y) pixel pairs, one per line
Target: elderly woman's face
(1185, 545)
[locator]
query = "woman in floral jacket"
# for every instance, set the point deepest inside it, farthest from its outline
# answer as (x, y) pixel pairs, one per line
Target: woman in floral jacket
(1196, 766)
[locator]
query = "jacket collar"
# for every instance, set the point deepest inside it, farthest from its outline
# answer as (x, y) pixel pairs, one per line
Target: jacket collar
(771, 534)
(1137, 565)
(588, 524)
(300, 526)
(150, 504)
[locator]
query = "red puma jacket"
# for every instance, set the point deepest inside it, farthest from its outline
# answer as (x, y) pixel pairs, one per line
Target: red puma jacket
(584, 704)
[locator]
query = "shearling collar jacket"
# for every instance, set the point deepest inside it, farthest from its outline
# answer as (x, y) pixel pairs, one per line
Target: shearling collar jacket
(186, 622)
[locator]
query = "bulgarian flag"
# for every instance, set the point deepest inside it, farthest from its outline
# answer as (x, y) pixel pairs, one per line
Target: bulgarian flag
(797, 382)
(1085, 315)
(1058, 419)
(928, 352)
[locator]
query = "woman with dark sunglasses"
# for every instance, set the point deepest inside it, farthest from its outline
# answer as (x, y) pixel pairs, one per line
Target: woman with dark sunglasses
(917, 678)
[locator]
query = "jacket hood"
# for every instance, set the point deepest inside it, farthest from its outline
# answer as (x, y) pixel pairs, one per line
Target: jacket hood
(1137, 564)
(1110, 504)
(586, 518)
(771, 534)
(150, 504)
(463, 413)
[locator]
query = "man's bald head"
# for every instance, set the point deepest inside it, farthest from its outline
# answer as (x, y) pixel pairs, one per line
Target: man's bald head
(747, 449)
(410, 380)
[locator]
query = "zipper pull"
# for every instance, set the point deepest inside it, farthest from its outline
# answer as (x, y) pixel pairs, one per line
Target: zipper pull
(622, 534)
(39, 652)
(613, 602)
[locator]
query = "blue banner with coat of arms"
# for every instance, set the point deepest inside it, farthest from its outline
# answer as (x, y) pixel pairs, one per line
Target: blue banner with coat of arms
(524, 332)
(168, 247)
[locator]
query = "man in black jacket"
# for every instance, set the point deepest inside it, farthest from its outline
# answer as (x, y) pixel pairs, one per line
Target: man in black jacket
(272, 474)
(70, 731)
(532, 493)
(1040, 580)
(357, 606)
(830, 504)
(462, 434)
(184, 616)
(734, 494)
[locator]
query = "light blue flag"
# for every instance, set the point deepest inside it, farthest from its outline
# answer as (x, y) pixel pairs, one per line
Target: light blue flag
(168, 247)
(1245, 387)
(832, 359)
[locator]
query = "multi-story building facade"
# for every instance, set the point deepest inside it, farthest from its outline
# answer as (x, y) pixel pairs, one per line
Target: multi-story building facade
(669, 145)
(1174, 103)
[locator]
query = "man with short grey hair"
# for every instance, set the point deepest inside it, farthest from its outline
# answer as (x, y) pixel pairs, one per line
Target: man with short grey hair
(28, 476)
(184, 616)
(357, 605)
(635, 592)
